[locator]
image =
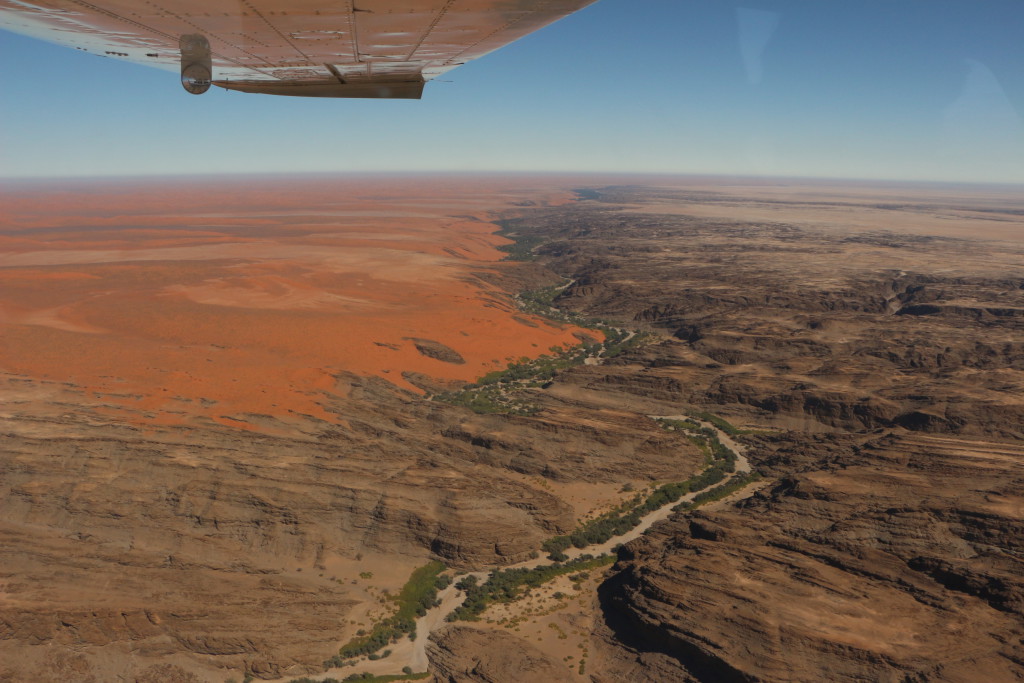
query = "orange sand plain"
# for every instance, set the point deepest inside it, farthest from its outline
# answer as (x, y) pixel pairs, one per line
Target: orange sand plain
(180, 299)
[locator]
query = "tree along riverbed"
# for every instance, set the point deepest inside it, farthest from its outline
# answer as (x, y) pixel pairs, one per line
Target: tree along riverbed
(409, 654)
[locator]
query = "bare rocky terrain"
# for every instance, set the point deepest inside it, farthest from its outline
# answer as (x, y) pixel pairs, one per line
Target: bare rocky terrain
(226, 544)
(887, 368)
(872, 336)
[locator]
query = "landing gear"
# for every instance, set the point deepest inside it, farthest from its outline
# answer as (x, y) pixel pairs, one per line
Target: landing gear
(196, 65)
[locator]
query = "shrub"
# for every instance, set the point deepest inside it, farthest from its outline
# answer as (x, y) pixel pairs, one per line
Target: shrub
(507, 585)
(417, 596)
(628, 515)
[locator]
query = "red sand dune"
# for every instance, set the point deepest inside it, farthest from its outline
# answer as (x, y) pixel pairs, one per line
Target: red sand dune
(179, 299)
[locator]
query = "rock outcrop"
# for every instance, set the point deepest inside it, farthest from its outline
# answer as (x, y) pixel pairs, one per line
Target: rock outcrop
(888, 566)
(460, 654)
(886, 378)
(880, 372)
(438, 351)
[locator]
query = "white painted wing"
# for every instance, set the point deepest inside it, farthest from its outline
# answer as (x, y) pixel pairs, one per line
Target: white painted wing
(322, 48)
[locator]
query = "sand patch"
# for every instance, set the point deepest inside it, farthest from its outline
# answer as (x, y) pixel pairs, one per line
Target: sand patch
(144, 303)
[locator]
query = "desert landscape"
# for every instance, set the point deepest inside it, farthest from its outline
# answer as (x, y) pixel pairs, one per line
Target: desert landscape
(253, 299)
(716, 429)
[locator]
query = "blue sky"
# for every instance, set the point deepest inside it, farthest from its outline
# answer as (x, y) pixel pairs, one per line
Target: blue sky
(826, 88)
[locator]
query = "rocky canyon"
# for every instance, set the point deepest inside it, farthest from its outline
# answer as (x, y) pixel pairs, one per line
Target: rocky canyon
(235, 417)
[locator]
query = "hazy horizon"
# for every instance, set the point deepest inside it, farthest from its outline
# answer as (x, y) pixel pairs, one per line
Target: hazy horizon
(639, 177)
(877, 91)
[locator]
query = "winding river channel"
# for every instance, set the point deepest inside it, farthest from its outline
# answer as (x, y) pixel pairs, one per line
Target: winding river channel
(413, 654)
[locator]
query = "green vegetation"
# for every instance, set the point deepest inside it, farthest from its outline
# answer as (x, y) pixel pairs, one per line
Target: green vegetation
(486, 400)
(721, 462)
(619, 340)
(522, 246)
(508, 585)
(467, 582)
(417, 596)
(719, 492)
(726, 426)
(587, 193)
(722, 424)
(628, 515)
(542, 302)
(686, 425)
(502, 391)
(704, 438)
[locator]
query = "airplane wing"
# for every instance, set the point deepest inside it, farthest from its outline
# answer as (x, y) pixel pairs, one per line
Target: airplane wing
(312, 48)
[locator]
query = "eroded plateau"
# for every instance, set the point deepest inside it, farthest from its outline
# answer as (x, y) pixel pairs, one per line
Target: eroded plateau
(223, 449)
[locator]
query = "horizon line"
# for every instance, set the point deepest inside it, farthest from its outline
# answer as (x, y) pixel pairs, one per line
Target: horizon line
(233, 175)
